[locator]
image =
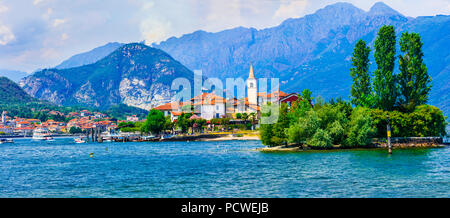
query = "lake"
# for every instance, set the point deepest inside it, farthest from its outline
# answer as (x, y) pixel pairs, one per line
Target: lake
(216, 169)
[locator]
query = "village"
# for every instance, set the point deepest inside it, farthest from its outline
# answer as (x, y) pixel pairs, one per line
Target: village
(215, 112)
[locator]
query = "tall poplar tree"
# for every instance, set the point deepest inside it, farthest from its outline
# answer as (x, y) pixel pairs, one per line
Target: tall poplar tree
(384, 84)
(361, 90)
(414, 81)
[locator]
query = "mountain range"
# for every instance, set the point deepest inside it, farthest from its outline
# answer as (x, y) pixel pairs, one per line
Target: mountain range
(134, 74)
(311, 52)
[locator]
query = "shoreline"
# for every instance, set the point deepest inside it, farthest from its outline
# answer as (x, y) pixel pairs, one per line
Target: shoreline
(231, 138)
(306, 149)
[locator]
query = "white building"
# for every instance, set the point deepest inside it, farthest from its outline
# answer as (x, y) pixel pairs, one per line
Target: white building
(210, 105)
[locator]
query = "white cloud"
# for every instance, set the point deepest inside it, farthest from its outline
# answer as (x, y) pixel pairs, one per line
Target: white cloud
(3, 8)
(64, 36)
(6, 35)
(36, 2)
(291, 9)
(154, 31)
(48, 13)
(57, 22)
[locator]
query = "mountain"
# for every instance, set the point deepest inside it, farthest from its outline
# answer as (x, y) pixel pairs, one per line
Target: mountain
(134, 74)
(13, 75)
(11, 92)
(314, 51)
(89, 57)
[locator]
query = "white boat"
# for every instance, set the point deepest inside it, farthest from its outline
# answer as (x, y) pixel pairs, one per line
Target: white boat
(80, 140)
(42, 134)
(168, 136)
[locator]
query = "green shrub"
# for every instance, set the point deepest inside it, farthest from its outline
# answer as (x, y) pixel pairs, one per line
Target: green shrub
(336, 132)
(424, 121)
(360, 130)
(305, 127)
(321, 139)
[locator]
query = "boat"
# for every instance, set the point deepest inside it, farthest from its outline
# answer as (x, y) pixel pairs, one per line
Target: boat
(107, 136)
(49, 138)
(167, 136)
(80, 140)
(42, 134)
(4, 141)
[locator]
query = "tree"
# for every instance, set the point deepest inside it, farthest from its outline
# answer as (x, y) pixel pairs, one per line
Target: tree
(384, 84)
(414, 81)
(169, 125)
(155, 122)
(184, 122)
(360, 128)
(75, 130)
(300, 107)
(253, 116)
(279, 133)
(320, 139)
(266, 134)
(306, 126)
(361, 90)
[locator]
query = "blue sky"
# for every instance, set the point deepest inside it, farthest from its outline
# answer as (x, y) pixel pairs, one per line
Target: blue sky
(41, 33)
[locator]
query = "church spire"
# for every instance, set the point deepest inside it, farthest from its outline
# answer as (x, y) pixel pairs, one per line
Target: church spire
(251, 75)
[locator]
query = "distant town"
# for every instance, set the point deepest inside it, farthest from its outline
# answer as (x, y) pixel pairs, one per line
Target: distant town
(207, 107)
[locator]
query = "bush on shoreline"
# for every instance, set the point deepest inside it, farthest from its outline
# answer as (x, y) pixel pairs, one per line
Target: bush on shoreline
(338, 123)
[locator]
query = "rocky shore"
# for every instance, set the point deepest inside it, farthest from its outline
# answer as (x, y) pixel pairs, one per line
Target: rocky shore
(397, 143)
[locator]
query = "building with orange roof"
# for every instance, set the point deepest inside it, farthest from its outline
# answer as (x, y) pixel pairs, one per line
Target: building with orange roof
(210, 105)
(22, 124)
(6, 129)
(24, 130)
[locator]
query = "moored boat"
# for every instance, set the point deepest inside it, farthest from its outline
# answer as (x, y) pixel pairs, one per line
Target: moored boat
(42, 134)
(4, 141)
(80, 140)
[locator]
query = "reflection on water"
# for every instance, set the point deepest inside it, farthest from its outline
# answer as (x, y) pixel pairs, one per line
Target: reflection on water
(216, 169)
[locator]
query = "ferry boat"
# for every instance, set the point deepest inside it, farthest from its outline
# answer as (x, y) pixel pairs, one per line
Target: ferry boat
(42, 134)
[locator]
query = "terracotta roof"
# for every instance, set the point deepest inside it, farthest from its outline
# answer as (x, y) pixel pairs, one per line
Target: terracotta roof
(33, 120)
(208, 99)
(24, 128)
(176, 113)
(255, 107)
(278, 94)
(167, 106)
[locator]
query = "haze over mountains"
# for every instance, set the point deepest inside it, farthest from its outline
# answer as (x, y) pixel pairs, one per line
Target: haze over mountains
(13, 75)
(311, 52)
(89, 57)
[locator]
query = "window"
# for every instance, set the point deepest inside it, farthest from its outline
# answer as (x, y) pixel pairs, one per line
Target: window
(251, 85)
(217, 107)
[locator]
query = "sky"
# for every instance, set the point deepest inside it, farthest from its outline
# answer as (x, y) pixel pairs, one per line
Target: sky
(36, 34)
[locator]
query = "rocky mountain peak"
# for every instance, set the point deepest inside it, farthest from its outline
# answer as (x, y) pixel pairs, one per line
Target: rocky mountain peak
(380, 8)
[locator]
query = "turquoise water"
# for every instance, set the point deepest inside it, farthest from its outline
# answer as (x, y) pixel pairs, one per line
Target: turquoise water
(216, 169)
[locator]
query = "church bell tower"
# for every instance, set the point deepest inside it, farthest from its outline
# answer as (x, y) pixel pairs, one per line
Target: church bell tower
(252, 88)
